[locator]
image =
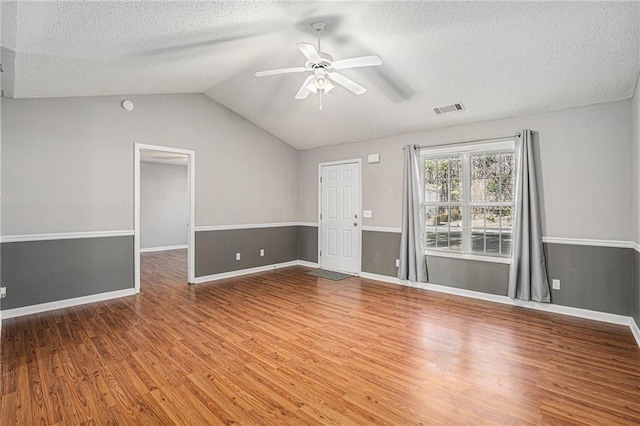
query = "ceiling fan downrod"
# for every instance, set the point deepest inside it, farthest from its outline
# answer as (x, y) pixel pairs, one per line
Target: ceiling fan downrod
(318, 27)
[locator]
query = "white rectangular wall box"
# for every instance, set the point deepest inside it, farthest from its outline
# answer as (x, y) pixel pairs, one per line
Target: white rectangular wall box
(367, 213)
(373, 158)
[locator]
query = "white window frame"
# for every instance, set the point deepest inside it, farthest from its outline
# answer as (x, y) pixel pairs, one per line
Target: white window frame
(466, 150)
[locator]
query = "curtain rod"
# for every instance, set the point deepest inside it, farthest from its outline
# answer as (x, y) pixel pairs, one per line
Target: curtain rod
(469, 141)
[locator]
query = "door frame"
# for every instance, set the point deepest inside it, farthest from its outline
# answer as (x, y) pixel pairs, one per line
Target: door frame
(357, 161)
(191, 185)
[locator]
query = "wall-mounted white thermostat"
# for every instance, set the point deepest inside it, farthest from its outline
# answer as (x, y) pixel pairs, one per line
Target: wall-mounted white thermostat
(127, 105)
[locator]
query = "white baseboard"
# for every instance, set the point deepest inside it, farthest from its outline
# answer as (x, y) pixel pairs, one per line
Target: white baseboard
(547, 307)
(59, 304)
(307, 264)
(634, 330)
(239, 272)
(164, 248)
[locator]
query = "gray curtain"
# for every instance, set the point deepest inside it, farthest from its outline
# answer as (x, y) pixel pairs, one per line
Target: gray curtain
(413, 265)
(528, 273)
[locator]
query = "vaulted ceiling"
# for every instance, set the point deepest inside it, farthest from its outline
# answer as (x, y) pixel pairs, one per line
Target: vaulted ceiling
(499, 59)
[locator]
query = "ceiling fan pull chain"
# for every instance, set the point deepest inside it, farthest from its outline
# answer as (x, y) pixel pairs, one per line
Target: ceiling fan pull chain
(320, 97)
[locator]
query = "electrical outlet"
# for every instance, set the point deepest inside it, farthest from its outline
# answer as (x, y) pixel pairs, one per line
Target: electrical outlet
(261, 252)
(397, 263)
(237, 256)
(3, 292)
(556, 284)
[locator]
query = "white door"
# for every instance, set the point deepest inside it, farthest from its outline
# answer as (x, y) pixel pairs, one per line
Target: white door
(340, 217)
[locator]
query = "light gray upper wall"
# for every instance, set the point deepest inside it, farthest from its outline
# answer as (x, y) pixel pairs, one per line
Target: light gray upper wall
(585, 158)
(635, 121)
(164, 205)
(67, 163)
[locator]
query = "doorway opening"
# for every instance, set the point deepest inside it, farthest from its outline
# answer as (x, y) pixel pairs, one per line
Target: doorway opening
(145, 157)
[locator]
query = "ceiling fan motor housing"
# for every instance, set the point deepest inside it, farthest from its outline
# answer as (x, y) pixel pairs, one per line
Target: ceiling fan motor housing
(325, 61)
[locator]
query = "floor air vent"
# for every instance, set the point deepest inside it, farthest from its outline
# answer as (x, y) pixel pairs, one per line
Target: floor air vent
(449, 108)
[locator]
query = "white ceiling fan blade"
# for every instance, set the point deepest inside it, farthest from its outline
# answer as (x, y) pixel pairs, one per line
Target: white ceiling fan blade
(348, 84)
(304, 89)
(328, 86)
(281, 71)
(312, 86)
(310, 52)
(363, 61)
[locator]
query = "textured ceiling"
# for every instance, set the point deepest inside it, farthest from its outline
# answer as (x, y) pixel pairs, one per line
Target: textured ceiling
(498, 59)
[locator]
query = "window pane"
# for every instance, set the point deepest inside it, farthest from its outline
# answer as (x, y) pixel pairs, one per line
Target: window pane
(442, 218)
(442, 239)
(455, 186)
(477, 190)
(477, 217)
(507, 189)
(506, 218)
(477, 229)
(477, 166)
(431, 193)
(492, 217)
(430, 216)
(505, 243)
(477, 241)
(493, 189)
(455, 167)
(430, 238)
(429, 171)
(442, 167)
(455, 239)
(455, 217)
(492, 241)
(507, 164)
(492, 165)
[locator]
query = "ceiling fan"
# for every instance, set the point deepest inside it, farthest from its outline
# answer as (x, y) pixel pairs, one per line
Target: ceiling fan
(322, 66)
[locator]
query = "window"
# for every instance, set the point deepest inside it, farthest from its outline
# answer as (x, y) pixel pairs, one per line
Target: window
(469, 195)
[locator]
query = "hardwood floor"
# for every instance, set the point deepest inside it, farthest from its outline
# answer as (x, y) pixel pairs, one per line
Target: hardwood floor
(284, 347)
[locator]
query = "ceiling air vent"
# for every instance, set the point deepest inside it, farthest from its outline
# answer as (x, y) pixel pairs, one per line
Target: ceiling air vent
(448, 108)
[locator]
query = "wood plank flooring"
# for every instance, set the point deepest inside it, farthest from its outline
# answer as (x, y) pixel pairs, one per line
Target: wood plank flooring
(284, 347)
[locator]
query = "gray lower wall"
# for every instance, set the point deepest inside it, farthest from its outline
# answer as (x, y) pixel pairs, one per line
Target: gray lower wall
(602, 279)
(215, 251)
(46, 271)
(595, 278)
(379, 252)
(308, 243)
(636, 287)
(485, 277)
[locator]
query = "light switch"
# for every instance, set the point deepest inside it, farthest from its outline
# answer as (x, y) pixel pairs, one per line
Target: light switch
(367, 213)
(373, 158)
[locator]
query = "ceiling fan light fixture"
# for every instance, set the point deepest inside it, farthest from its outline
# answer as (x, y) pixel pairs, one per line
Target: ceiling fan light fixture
(320, 78)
